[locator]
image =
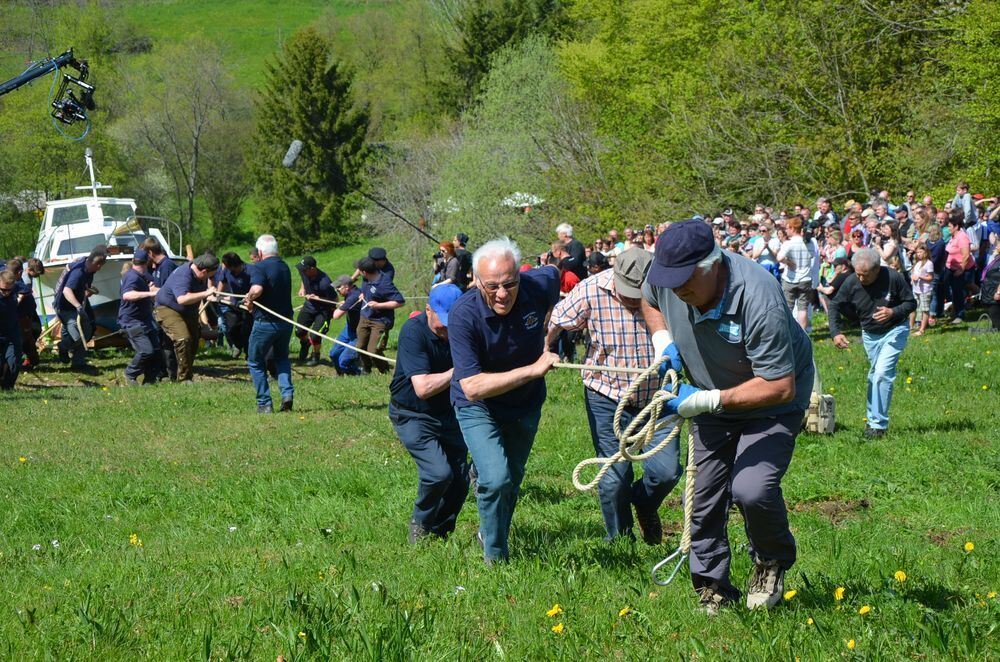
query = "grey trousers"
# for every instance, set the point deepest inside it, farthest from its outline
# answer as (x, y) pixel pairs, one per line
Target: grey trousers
(740, 462)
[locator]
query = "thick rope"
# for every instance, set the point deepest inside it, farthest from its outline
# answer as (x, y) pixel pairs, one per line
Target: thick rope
(684, 547)
(634, 442)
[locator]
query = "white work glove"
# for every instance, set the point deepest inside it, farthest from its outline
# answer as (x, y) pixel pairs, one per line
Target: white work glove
(692, 401)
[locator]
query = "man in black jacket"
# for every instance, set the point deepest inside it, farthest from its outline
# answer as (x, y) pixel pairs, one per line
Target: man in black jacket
(883, 301)
(577, 253)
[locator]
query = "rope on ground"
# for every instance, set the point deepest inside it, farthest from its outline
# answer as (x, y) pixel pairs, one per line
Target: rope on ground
(684, 548)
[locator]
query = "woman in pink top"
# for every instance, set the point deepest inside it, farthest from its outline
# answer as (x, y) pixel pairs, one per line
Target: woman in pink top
(958, 267)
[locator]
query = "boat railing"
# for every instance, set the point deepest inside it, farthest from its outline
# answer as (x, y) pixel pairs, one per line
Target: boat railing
(168, 229)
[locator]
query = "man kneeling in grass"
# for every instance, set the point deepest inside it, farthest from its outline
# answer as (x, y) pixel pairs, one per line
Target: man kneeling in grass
(420, 411)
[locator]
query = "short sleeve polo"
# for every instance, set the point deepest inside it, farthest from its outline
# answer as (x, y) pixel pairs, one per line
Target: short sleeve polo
(182, 281)
(482, 341)
(420, 353)
(274, 276)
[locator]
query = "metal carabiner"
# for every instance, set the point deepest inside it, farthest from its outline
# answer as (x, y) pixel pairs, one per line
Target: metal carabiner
(656, 568)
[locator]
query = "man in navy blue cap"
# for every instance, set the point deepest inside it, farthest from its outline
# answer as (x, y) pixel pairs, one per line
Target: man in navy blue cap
(135, 317)
(497, 336)
(382, 264)
(321, 297)
(751, 373)
(421, 413)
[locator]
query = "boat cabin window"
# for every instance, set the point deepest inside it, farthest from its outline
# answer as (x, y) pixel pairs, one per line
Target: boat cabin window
(79, 244)
(69, 215)
(120, 213)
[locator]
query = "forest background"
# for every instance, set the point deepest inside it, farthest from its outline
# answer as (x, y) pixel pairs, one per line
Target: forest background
(454, 112)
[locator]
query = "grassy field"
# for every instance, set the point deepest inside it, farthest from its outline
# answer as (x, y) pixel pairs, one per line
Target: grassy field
(173, 523)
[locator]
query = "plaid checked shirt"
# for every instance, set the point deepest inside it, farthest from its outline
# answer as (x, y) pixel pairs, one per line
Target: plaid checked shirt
(618, 336)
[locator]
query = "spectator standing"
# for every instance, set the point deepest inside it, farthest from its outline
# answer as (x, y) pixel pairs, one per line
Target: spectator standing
(963, 202)
(451, 269)
(464, 257)
(922, 279)
(990, 293)
(796, 281)
(958, 266)
(575, 249)
(883, 301)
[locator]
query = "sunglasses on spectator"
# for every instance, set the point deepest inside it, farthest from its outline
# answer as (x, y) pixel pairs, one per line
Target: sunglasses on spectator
(508, 286)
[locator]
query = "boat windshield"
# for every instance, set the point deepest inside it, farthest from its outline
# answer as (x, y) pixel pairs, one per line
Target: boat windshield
(119, 212)
(77, 245)
(69, 215)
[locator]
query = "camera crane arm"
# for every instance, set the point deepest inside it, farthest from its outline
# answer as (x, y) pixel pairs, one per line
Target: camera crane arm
(66, 107)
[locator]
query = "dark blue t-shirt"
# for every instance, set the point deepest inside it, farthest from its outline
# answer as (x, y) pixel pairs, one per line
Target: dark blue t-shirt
(322, 287)
(381, 289)
(161, 272)
(181, 281)
(9, 327)
(420, 353)
(275, 277)
(388, 270)
(26, 308)
(235, 283)
(75, 278)
(353, 308)
(482, 341)
(131, 313)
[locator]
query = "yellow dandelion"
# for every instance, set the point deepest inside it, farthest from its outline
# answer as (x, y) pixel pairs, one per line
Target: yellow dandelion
(22, 459)
(810, 621)
(909, 380)
(969, 546)
(104, 388)
(991, 595)
(840, 367)
(302, 636)
(900, 576)
(135, 540)
(838, 593)
(986, 387)
(558, 628)
(790, 594)
(864, 610)
(625, 611)
(851, 644)
(555, 611)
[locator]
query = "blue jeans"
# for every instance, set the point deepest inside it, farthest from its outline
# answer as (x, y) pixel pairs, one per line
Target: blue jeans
(344, 360)
(617, 491)
(10, 359)
(71, 337)
(883, 353)
(500, 451)
(435, 443)
(270, 335)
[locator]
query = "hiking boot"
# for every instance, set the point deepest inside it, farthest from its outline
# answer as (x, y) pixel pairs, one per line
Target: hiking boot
(265, 409)
(131, 381)
(766, 585)
(286, 404)
(303, 352)
(711, 599)
(417, 533)
(63, 355)
(234, 352)
(872, 433)
(313, 362)
(650, 525)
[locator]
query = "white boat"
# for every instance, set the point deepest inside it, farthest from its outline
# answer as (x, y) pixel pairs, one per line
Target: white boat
(71, 228)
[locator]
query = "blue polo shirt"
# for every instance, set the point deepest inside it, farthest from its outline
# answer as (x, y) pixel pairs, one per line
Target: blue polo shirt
(482, 341)
(352, 308)
(275, 277)
(322, 287)
(420, 353)
(388, 270)
(133, 313)
(235, 283)
(27, 306)
(381, 289)
(181, 281)
(75, 278)
(9, 328)
(161, 272)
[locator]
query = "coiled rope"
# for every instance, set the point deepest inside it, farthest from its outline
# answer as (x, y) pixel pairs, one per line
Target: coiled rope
(634, 446)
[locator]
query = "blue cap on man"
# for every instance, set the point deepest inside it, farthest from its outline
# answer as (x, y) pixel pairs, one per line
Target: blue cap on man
(442, 298)
(679, 248)
(140, 256)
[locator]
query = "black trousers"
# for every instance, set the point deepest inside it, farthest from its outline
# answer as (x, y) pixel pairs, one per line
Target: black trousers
(317, 320)
(238, 325)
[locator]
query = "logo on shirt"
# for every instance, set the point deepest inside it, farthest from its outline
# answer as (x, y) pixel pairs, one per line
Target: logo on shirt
(730, 330)
(530, 321)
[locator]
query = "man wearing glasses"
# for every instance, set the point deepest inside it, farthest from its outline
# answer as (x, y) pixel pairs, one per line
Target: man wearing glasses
(497, 336)
(177, 304)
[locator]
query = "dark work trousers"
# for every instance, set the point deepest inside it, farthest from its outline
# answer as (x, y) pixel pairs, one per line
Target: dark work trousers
(740, 462)
(435, 443)
(237, 322)
(147, 361)
(10, 359)
(618, 490)
(31, 328)
(993, 310)
(168, 366)
(317, 320)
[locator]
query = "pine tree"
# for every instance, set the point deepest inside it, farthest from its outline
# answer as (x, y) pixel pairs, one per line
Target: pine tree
(307, 96)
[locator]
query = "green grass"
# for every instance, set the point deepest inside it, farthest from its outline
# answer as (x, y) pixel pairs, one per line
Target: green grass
(255, 530)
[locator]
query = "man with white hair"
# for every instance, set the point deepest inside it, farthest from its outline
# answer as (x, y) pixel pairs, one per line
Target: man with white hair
(883, 301)
(751, 373)
(271, 286)
(497, 337)
(575, 248)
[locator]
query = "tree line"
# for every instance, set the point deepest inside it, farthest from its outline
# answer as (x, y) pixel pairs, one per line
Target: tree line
(454, 112)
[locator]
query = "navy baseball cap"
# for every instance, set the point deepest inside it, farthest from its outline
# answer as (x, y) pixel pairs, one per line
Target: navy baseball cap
(680, 247)
(140, 256)
(442, 298)
(377, 253)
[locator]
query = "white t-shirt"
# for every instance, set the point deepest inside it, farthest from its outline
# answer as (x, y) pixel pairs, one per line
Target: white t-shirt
(801, 257)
